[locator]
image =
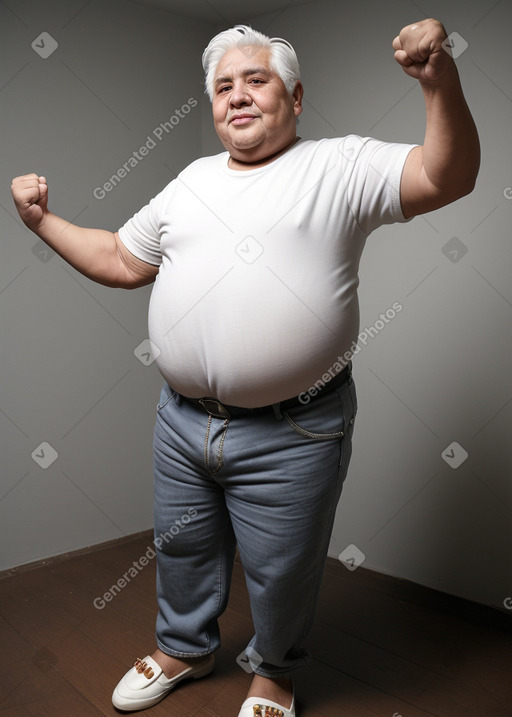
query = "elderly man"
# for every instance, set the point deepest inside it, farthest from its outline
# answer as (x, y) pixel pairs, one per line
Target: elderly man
(255, 254)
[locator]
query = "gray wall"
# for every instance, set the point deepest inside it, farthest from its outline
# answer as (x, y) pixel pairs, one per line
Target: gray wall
(435, 375)
(439, 372)
(70, 377)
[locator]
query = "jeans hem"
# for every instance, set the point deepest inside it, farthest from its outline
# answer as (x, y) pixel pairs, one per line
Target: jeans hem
(177, 653)
(288, 672)
(284, 671)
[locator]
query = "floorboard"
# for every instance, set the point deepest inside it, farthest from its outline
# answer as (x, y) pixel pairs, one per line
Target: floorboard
(381, 647)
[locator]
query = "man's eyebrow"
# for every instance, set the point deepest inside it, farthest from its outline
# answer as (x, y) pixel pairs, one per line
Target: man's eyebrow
(259, 70)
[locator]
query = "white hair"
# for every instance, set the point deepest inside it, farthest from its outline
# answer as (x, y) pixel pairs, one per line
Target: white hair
(283, 59)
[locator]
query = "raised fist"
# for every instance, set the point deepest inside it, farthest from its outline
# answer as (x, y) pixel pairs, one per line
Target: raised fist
(419, 50)
(30, 194)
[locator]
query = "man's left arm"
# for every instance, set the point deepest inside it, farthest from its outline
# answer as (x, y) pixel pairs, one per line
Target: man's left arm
(445, 167)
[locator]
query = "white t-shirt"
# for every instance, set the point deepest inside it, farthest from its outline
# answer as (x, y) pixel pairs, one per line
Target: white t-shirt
(256, 295)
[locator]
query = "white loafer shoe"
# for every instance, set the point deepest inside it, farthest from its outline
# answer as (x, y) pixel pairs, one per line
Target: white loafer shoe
(260, 707)
(145, 684)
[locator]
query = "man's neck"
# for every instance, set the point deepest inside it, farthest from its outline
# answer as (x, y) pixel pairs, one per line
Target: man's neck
(244, 165)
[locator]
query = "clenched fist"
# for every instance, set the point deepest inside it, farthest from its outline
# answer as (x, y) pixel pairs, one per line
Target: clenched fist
(419, 50)
(30, 194)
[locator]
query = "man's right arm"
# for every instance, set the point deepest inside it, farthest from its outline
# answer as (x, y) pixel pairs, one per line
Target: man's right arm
(98, 254)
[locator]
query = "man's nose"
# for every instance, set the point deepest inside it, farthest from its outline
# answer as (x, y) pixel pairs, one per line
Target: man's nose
(239, 96)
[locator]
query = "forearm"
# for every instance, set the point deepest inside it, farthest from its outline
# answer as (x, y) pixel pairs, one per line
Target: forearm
(92, 252)
(451, 149)
(446, 166)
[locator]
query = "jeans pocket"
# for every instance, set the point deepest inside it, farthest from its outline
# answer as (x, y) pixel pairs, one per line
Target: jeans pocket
(329, 418)
(335, 436)
(167, 395)
(321, 420)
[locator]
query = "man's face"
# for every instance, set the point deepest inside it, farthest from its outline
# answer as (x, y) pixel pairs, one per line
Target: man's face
(253, 113)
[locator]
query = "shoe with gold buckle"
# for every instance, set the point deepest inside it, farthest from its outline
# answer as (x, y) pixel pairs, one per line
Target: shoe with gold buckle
(260, 707)
(145, 684)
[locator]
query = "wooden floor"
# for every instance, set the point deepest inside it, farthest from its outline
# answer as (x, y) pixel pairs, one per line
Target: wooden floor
(381, 647)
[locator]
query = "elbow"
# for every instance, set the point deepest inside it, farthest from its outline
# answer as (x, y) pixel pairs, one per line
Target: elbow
(469, 184)
(129, 283)
(122, 281)
(466, 189)
(464, 181)
(472, 174)
(464, 184)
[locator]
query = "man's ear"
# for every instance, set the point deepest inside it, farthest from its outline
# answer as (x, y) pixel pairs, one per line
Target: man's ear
(297, 96)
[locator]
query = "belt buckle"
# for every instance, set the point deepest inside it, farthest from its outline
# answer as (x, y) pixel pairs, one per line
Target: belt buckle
(214, 408)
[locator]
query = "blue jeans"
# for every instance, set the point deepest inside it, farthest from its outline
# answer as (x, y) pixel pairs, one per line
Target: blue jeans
(266, 482)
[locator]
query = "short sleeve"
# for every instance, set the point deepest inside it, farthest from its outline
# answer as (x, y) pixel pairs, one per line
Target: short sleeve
(141, 234)
(372, 172)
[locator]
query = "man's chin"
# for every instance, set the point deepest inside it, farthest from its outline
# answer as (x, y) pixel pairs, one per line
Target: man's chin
(245, 141)
(248, 151)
